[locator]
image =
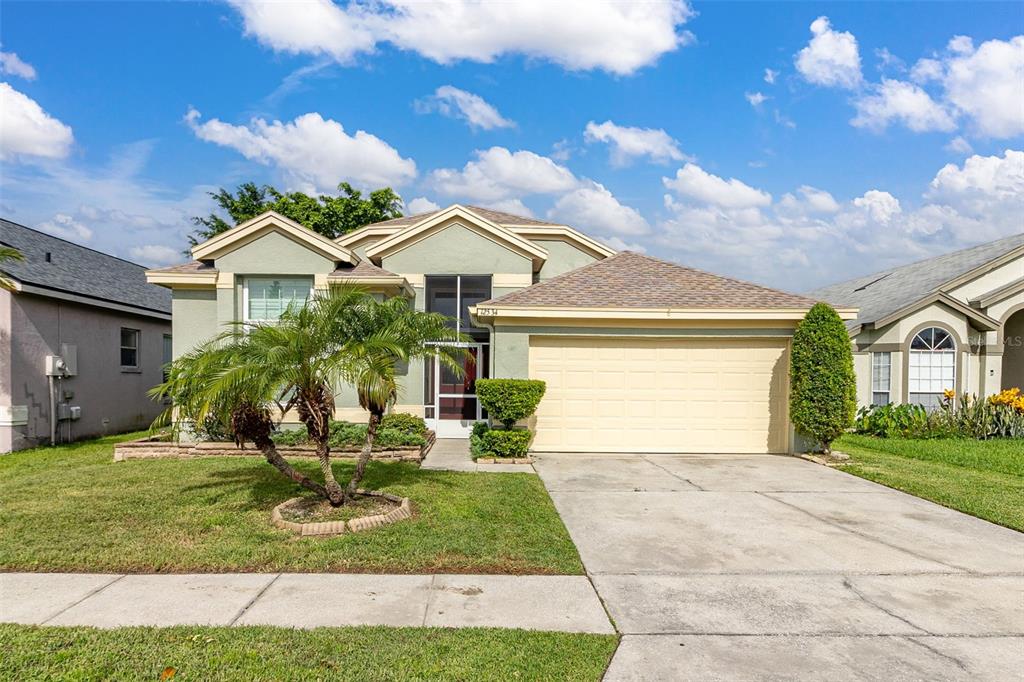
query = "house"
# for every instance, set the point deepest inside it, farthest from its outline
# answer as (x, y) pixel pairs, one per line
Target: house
(83, 337)
(639, 355)
(955, 322)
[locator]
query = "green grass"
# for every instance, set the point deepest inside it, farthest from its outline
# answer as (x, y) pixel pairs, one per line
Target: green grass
(981, 478)
(72, 508)
(264, 653)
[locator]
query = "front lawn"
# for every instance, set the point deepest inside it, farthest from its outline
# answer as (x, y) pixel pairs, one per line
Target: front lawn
(72, 508)
(984, 478)
(265, 653)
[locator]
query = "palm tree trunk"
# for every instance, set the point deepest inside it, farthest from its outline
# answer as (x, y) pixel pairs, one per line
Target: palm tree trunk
(334, 492)
(269, 450)
(315, 407)
(364, 456)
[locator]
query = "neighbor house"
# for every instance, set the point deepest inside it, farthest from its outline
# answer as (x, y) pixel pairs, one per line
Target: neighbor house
(83, 337)
(955, 323)
(639, 355)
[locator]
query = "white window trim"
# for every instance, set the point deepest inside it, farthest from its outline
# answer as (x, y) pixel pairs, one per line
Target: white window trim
(913, 353)
(245, 294)
(888, 389)
(138, 349)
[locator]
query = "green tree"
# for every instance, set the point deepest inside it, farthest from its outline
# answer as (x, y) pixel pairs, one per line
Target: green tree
(246, 374)
(823, 387)
(7, 255)
(331, 216)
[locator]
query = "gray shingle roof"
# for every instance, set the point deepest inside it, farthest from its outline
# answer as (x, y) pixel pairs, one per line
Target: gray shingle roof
(80, 270)
(363, 268)
(498, 217)
(886, 292)
(633, 280)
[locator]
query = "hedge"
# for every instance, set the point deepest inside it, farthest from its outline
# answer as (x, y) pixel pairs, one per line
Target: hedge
(509, 400)
(506, 443)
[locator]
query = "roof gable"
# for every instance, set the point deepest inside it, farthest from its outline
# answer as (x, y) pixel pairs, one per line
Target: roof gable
(633, 280)
(271, 221)
(460, 215)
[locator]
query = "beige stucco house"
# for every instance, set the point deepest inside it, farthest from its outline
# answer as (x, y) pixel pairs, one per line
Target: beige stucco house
(639, 355)
(955, 322)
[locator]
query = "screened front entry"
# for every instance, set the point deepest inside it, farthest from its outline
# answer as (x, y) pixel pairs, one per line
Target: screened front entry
(449, 396)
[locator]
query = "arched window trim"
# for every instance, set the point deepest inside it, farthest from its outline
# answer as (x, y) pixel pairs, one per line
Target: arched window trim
(932, 365)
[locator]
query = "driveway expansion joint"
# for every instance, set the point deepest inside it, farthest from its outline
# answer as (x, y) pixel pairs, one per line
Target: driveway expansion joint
(91, 593)
(255, 598)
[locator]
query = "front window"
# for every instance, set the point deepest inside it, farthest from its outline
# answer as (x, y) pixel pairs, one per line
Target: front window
(932, 368)
(267, 297)
(454, 295)
(129, 348)
(881, 372)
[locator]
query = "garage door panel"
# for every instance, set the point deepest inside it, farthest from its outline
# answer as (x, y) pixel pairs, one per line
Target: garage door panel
(661, 395)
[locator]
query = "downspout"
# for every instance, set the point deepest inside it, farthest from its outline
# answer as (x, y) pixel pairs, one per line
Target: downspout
(53, 410)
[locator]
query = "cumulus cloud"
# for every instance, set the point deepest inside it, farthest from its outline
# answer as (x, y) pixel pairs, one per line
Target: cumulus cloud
(925, 70)
(473, 109)
(155, 254)
(421, 205)
(694, 182)
(899, 101)
(958, 145)
(577, 34)
(628, 143)
(513, 206)
(11, 64)
(313, 153)
(497, 173)
(770, 75)
(64, 226)
(28, 131)
(831, 58)
(592, 207)
(813, 236)
(756, 99)
(987, 84)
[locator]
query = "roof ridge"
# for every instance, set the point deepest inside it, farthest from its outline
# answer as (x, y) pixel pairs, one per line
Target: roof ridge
(562, 276)
(68, 241)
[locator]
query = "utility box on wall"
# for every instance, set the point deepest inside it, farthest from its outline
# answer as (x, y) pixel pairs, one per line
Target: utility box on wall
(69, 352)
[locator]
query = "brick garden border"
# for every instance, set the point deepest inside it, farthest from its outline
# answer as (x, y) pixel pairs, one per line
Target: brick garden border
(324, 528)
(152, 448)
(505, 460)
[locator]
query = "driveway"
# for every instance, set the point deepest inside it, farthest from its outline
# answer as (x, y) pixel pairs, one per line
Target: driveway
(770, 567)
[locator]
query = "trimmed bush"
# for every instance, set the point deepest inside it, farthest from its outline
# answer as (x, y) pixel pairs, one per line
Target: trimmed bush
(506, 442)
(347, 434)
(476, 439)
(404, 422)
(823, 387)
(509, 400)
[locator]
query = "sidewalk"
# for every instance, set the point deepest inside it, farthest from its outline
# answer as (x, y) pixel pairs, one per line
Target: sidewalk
(452, 454)
(558, 603)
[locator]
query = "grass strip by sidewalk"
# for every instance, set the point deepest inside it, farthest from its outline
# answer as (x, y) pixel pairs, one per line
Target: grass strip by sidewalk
(71, 508)
(266, 653)
(981, 478)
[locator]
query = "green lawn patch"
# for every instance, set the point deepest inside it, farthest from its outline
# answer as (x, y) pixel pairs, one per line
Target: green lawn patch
(984, 478)
(72, 508)
(265, 653)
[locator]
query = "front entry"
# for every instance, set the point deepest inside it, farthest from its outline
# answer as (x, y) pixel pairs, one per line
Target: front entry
(453, 406)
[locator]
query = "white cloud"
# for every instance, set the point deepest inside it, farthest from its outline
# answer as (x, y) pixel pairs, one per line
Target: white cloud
(981, 181)
(987, 84)
(11, 64)
(902, 102)
(925, 70)
(783, 120)
(593, 208)
(887, 60)
(958, 145)
(770, 75)
(155, 254)
(617, 37)
(313, 153)
(421, 205)
(831, 58)
(694, 182)
(811, 200)
(473, 109)
(513, 206)
(756, 99)
(881, 206)
(28, 131)
(561, 150)
(64, 226)
(629, 143)
(498, 174)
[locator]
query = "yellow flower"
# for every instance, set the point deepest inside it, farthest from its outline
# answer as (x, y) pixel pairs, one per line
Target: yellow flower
(949, 394)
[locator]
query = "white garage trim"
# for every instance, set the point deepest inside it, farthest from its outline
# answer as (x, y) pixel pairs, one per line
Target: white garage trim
(677, 394)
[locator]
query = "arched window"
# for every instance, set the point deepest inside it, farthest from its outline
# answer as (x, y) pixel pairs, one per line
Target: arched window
(932, 367)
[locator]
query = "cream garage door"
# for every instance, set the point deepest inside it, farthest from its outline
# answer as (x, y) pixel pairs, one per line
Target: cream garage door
(612, 394)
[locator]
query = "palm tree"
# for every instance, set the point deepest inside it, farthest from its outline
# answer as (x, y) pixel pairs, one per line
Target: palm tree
(341, 337)
(8, 254)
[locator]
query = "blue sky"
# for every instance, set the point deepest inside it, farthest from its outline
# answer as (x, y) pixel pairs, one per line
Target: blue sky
(890, 132)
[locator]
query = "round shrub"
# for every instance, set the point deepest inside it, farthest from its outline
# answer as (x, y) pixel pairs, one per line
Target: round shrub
(404, 422)
(823, 387)
(506, 443)
(509, 400)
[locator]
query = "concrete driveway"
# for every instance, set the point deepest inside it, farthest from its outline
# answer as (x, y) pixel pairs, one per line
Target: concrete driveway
(768, 567)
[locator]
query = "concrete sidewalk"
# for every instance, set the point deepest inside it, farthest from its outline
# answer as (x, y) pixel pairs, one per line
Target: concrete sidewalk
(558, 603)
(452, 454)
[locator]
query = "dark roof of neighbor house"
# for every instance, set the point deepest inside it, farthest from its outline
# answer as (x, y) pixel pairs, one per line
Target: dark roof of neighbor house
(883, 293)
(194, 266)
(497, 217)
(79, 270)
(633, 280)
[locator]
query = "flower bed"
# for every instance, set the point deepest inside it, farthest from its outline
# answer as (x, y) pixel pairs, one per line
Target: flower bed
(999, 416)
(401, 511)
